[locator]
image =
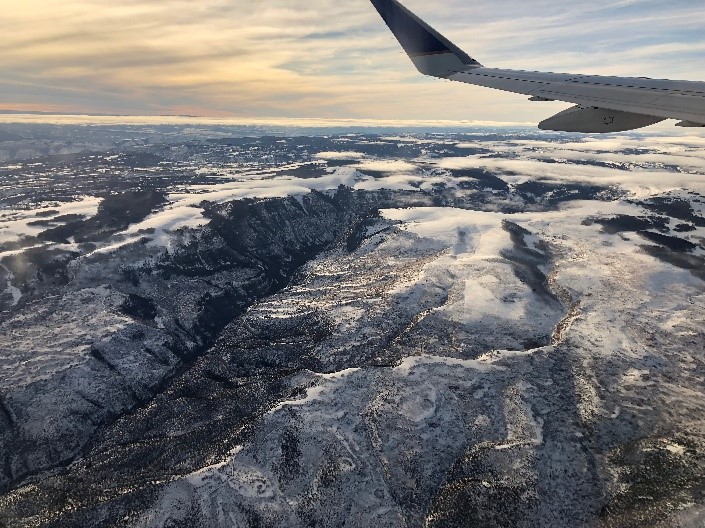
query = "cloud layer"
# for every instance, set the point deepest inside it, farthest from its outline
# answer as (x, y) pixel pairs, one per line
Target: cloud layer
(319, 58)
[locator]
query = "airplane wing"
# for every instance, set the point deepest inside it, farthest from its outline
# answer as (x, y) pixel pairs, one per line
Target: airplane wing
(603, 104)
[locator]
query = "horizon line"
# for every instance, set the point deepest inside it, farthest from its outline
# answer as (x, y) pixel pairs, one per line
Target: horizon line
(9, 117)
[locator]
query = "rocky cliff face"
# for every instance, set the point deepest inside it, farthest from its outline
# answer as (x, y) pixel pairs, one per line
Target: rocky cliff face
(115, 328)
(373, 296)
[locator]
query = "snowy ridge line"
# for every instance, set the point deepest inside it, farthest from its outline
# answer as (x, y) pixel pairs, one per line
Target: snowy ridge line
(404, 367)
(561, 332)
(11, 289)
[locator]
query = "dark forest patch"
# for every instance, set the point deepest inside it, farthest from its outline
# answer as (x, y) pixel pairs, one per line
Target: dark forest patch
(62, 219)
(675, 208)
(139, 307)
(624, 223)
(115, 213)
(485, 179)
(671, 242)
(554, 193)
(684, 228)
(686, 261)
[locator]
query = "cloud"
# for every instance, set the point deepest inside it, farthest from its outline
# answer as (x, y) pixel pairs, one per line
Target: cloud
(319, 58)
(641, 164)
(346, 155)
(386, 166)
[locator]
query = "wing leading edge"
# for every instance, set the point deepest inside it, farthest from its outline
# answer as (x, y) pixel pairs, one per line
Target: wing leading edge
(603, 104)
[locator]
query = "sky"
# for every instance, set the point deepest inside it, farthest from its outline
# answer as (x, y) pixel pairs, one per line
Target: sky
(322, 58)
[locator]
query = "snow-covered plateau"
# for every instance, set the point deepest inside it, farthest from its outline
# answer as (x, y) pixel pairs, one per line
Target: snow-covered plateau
(492, 328)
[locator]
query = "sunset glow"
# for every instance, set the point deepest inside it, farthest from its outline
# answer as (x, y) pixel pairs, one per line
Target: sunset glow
(319, 58)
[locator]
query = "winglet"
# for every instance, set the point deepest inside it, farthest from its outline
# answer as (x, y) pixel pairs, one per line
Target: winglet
(431, 52)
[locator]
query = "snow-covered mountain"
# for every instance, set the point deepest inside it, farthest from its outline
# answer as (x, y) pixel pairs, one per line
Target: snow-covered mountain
(493, 328)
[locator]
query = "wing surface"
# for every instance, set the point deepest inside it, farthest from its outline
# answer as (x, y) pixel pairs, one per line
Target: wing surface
(603, 104)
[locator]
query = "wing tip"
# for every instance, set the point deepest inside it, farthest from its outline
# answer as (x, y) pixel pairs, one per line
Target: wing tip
(431, 52)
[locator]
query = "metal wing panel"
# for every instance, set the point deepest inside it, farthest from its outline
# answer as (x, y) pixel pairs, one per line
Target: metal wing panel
(668, 99)
(433, 54)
